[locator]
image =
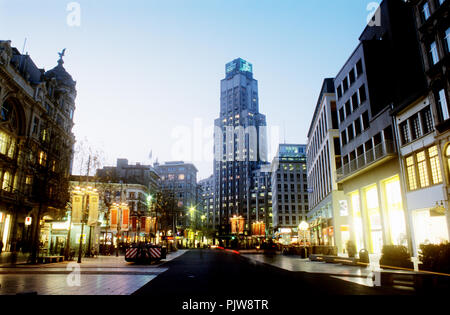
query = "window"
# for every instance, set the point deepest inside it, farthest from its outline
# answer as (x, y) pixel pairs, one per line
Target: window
(447, 155)
(362, 94)
(365, 120)
(35, 126)
(355, 101)
(358, 126)
(7, 180)
(344, 137)
(352, 76)
(341, 115)
(348, 109)
(442, 104)
(359, 68)
(415, 127)
(404, 133)
(350, 132)
(427, 120)
(345, 84)
(436, 174)
(425, 12)
(339, 91)
(434, 56)
(423, 171)
(411, 173)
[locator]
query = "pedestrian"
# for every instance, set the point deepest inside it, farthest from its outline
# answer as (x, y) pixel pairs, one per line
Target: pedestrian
(1, 246)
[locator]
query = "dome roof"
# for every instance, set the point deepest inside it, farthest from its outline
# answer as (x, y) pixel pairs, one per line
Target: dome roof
(61, 75)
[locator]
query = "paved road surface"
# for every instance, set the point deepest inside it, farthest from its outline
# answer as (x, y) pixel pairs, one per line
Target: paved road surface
(214, 275)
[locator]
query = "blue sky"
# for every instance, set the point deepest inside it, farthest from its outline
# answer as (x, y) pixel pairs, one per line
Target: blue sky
(145, 66)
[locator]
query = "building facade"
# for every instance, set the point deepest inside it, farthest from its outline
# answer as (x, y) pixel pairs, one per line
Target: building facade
(328, 215)
(36, 147)
(207, 202)
(239, 146)
(382, 73)
(423, 133)
(290, 198)
(261, 203)
(145, 175)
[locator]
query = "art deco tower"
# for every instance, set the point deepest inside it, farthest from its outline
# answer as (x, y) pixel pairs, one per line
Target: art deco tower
(240, 146)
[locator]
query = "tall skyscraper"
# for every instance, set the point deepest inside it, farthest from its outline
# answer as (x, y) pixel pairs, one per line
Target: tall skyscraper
(240, 147)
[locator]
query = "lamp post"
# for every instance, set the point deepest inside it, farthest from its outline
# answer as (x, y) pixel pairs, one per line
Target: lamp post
(304, 226)
(85, 192)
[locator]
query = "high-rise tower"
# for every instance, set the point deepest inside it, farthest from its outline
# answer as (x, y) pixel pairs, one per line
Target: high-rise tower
(240, 147)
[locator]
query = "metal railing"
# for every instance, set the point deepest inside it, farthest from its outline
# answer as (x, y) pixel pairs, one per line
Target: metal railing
(373, 155)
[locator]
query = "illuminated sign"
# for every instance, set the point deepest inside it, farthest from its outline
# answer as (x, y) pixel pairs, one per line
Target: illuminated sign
(231, 66)
(60, 226)
(28, 221)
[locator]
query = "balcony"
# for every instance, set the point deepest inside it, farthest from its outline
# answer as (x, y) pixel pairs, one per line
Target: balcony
(367, 160)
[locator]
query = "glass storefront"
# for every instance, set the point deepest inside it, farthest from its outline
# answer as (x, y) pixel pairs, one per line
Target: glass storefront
(429, 229)
(357, 221)
(374, 218)
(395, 213)
(5, 226)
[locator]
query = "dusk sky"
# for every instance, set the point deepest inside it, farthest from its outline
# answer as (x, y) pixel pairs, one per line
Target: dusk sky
(147, 68)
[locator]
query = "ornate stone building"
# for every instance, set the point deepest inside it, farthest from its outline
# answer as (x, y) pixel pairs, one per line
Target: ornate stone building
(36, 146)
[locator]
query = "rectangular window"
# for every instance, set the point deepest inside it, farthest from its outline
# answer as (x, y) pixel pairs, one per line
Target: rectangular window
(427, 120)
(359, 68)
(434, 56)
(345, 84)
(404, 133)
(447, 39)
(358, 126)
(442, 103)
(350, 133)
(348, 109)
(355, 101)
(339, 91)
(425, 12)
(415, 127)
(352, 76)
(411, 173)
(341, 115)
(435, 165)
(423, 170)
(362, 94)
(365, 120)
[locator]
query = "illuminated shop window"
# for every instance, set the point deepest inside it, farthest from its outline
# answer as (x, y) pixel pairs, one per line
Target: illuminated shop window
(373, 211)
(357, 221)
(423, 171)
(395, 212)
(412, 178)
(436, 173)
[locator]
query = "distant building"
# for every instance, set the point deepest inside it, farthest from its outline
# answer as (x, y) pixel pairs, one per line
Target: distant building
(207, 202)
(289, 188)
(328, 216)
(240, 147)
(180, 179)
(145, 175)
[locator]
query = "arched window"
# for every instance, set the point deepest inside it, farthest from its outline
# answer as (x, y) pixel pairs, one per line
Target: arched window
(447, 156)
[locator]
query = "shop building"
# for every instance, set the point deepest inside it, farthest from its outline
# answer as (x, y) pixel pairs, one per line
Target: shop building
(423, 133)
(36, 148)
(328, 217)
(383, 72)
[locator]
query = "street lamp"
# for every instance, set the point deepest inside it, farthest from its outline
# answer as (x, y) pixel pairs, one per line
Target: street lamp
(304, 226)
